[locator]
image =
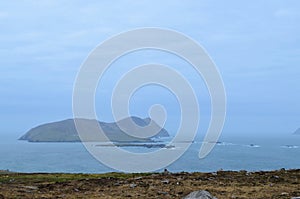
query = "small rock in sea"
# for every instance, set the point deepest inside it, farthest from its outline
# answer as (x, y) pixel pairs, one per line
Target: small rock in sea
(199, 195)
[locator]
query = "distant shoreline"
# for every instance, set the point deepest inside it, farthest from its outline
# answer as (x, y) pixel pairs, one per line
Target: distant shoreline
(3, 171)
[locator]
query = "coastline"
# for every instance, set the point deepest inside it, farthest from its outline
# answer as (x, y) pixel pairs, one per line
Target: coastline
(222, 184)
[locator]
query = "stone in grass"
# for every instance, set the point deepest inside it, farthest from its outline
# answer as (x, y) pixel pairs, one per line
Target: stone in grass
(132, 185)
(199, 195)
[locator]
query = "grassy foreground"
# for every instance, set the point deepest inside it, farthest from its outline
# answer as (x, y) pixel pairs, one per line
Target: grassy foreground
(222, 184)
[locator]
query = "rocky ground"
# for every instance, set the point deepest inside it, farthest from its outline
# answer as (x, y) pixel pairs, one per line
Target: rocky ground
(222, 184)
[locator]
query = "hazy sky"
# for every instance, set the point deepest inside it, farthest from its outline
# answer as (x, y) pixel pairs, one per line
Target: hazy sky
(255, 44)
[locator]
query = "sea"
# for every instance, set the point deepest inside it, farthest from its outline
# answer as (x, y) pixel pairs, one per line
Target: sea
(230, 153)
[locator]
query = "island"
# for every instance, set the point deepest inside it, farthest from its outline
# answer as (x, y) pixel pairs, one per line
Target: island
(65, 131)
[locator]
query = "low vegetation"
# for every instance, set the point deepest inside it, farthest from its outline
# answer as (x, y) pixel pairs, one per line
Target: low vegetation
(279, 184)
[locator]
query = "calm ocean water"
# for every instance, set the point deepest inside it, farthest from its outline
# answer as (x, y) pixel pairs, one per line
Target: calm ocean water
(231, 154)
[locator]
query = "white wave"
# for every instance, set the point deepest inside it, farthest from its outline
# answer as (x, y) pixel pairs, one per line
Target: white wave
(290, 146)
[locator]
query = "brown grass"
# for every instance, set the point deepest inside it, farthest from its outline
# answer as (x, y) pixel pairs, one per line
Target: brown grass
(223, 185)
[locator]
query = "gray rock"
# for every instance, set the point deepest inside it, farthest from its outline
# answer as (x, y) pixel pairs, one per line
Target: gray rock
(165, 181)
(31, 187)
(296, 197)
(199, 195)
(132, 185)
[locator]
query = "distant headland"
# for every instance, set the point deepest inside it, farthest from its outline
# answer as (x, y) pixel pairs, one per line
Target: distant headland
(65, 131)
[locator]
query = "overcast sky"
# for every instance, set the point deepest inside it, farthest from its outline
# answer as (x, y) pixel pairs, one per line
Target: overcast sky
(255, 44)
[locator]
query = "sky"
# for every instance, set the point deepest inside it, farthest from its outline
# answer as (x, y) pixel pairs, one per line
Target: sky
(254, 44)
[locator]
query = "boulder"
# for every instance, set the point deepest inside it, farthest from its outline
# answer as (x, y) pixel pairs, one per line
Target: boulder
(199, 195)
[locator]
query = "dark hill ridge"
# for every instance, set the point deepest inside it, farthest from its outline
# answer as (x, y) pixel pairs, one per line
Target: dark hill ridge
(65, 131)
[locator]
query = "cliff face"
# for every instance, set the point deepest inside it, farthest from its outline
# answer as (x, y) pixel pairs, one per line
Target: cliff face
(65, 131)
